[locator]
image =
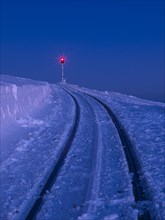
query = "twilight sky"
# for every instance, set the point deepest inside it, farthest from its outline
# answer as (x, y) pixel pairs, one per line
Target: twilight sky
(109, 44)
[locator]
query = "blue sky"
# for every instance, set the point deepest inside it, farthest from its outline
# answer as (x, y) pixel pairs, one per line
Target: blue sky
(109, 45)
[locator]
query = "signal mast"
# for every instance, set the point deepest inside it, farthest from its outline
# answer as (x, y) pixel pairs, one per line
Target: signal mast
(62, 61)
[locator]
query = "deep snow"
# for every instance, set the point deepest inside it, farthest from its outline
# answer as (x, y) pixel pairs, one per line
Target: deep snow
(94, 182)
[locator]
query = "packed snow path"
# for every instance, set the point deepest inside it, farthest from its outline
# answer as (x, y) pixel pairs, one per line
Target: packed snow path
(70, 162)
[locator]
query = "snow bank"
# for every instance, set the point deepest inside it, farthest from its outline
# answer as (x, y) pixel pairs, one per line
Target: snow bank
(19, 97)
(29, 153)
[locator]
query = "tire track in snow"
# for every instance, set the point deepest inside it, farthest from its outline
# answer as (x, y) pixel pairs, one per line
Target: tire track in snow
(52, 177)
(132, 161)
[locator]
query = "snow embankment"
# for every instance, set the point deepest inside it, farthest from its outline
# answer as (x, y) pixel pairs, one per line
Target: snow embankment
(20, 97)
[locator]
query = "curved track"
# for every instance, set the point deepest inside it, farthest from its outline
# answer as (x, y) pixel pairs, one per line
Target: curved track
(98, 183)
(52, 178)
(132, 161)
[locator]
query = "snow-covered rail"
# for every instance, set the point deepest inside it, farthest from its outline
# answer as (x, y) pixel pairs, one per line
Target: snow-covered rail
(107, 161)
(52, 177)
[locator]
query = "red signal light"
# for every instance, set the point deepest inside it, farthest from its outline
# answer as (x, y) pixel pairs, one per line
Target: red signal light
(62, 60)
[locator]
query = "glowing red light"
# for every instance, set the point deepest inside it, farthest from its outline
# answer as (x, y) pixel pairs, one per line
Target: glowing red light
(62, 60)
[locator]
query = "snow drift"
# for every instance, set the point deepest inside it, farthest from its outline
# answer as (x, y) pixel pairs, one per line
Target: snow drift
(20, 97)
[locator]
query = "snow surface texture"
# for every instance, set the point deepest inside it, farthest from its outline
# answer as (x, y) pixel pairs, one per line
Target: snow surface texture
(94, 182)
(145, 123)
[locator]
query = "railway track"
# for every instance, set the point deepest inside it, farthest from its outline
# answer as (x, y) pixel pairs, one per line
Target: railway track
(93, 153)
(57, 167)
(132, 161)
(127, 146)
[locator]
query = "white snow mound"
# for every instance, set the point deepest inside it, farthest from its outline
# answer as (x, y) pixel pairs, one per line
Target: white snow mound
(20, 96)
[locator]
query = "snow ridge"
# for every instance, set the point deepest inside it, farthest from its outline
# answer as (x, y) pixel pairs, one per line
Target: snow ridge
(18, 98)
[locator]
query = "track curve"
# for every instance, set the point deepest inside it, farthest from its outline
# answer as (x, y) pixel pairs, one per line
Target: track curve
(52, 177)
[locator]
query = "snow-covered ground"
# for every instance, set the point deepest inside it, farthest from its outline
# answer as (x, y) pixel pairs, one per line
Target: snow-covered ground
(94, 181)
(145, 123)
(31, 142)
